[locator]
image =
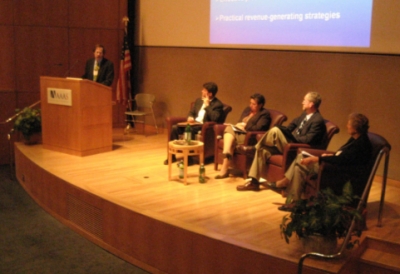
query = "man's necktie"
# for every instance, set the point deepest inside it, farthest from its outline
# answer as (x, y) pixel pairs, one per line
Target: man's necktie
(96, 71)
(301, 125)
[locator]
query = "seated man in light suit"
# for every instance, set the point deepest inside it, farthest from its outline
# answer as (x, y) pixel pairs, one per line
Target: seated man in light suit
(308, 128)
(99, 69)
(206, 109)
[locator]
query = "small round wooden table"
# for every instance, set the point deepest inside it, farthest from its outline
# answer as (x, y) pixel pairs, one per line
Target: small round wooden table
(195, 148)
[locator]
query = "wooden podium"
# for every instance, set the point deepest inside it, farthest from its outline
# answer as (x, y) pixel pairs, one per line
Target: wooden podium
(76, 116)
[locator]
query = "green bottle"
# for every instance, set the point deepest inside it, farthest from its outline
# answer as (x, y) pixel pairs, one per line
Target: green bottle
(188, 134)
(202, 174)
(180, 166)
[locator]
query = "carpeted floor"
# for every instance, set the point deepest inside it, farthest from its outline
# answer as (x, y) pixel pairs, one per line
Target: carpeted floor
(32, 241)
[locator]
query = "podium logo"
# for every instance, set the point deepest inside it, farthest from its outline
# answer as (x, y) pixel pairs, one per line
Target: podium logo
(55, 95)
(59, 96)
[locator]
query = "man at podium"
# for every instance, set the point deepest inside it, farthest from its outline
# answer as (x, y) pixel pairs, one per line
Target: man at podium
(99, 69)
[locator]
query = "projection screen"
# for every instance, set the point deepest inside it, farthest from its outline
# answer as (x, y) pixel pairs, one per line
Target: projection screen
(367, 26)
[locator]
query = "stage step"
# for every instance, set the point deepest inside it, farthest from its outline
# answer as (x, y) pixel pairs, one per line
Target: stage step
(380, 257)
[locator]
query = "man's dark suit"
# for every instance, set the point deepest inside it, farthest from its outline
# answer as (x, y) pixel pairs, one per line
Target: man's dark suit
(312, 132)
(273, 142)
(105, 75)
(260, 121)
(213, 113)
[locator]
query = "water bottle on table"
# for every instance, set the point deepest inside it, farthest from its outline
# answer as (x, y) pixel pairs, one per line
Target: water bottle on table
(188, 134)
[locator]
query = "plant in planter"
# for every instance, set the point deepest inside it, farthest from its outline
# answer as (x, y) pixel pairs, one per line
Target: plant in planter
(28, 122)
(327, 215)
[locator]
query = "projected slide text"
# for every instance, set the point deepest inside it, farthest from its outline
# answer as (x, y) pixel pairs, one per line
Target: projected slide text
(338, 23)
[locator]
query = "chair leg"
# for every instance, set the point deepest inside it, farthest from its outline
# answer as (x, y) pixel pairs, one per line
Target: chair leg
(144, 126)
(128, 124)
(155, 122)
(127, 128)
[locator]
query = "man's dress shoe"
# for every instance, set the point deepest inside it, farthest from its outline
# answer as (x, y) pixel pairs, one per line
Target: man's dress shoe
(226, 175)
(251, 185)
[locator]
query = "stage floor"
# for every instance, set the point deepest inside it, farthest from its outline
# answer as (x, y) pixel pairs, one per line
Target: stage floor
(132, 176)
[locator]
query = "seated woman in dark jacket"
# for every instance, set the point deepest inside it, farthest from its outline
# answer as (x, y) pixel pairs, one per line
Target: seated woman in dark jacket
(254, 118)
(355, 152)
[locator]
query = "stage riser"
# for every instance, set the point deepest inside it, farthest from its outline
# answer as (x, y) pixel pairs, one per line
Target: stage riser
(148, 243)
(122, 201)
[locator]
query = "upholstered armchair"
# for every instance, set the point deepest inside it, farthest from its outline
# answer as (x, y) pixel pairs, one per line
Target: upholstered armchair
(207, 130)
(240, 160)
(278, 164)
(335, 177)
(361, 178)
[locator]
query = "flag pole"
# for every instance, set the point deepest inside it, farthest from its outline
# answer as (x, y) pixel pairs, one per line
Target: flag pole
(125, 20)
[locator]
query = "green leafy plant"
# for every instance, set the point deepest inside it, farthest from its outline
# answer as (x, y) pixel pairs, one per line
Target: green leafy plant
(28, 122)
(326, 214)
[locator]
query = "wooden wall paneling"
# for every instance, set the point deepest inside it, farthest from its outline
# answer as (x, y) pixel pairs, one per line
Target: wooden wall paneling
(26, 98)
(41, 13)
(7, 57)
(100, 14)
(7, 106)
(6, 11)
(123, 10)
(40, 50)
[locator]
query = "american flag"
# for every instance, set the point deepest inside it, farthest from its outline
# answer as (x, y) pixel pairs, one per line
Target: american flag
(124, 84)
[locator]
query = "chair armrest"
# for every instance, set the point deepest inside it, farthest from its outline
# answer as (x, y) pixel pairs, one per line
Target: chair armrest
(207, 131)
(290, 147)
(290, 152)
(170, 121)
(259, 136)
(251, 137)
(313, 151)
(207, 125)
(219, 131)
(174, 120)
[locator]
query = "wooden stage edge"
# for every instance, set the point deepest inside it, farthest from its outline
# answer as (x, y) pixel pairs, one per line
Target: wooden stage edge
(122, 201)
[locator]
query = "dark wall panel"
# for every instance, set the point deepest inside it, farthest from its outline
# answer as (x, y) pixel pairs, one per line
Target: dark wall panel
(6, 8)
(7, 105)
(47, 48)
(7, 64)
(41, 13)
(99, 14)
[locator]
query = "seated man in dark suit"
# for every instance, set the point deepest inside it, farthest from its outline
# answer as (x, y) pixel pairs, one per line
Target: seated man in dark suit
(308, 128)
(99, 69)
(206, 109)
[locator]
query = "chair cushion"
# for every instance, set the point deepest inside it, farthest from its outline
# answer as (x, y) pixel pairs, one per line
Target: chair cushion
(275, 160)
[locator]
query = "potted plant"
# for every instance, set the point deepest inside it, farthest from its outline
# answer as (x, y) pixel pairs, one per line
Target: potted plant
(29, 123)
(325, 217)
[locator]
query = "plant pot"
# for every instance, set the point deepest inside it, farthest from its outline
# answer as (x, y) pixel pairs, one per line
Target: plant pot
(35, 138)
(320, 244)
